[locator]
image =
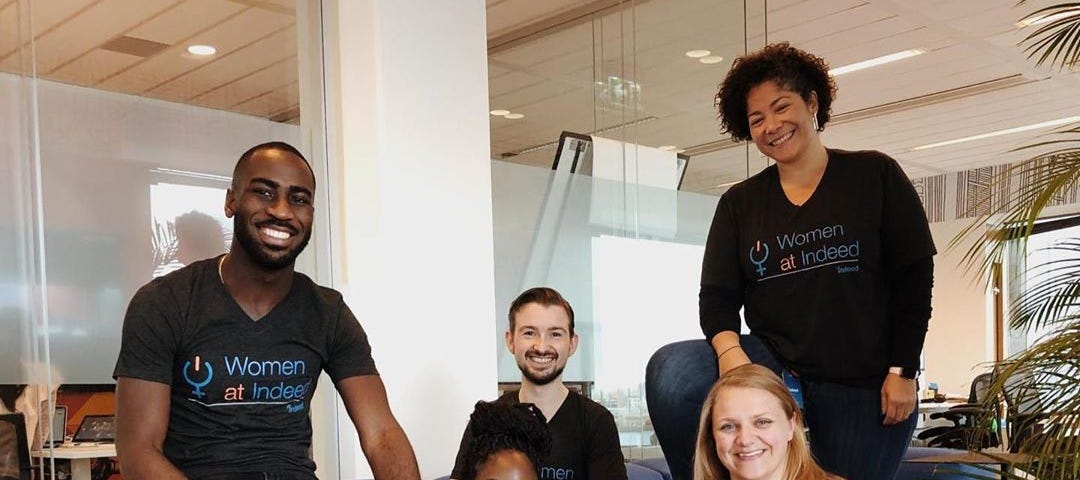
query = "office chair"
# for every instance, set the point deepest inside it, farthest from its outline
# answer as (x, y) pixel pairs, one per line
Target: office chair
(14, 448)
(974, 426)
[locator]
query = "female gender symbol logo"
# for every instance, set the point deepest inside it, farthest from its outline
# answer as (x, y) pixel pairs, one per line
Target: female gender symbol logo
(198, 385)
(760, 263)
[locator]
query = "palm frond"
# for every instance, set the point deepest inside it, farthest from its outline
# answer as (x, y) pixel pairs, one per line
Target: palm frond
(1053, 294)
(1042, 386)
(1048, 175)
(1058, 41)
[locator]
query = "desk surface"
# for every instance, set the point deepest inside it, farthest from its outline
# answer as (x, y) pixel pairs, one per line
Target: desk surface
(88, 451)
(974, 457)
(930, 407)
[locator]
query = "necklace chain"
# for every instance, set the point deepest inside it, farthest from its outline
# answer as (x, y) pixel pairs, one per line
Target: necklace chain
(219, 264)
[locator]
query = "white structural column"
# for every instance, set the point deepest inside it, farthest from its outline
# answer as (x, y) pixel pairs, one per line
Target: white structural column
(407, 123)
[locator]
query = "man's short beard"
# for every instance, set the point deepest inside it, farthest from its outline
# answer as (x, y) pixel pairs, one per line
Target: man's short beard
(247, 241)
(541, 381)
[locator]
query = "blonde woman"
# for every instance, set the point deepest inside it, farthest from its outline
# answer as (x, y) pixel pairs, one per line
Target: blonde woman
(751, 429)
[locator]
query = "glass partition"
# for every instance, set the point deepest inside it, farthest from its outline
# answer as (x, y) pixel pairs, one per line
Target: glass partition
(120, 123)
(625, 252)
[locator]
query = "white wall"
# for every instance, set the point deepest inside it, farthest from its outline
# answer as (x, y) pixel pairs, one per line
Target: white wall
(960, 339)
(409, 134)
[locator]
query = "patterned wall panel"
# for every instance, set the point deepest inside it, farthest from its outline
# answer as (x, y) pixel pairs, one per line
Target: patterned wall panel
(979, 191)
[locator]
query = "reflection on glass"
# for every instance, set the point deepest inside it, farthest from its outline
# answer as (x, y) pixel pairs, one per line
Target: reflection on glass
(633, 289)
(615, 239)
(188, 225)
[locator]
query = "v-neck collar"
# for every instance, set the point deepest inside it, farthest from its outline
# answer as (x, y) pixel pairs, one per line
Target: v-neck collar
(238, 311)
(824, 176)
(558, 411)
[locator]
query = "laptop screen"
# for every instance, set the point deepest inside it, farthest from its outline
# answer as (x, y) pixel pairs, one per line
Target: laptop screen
(96, 428)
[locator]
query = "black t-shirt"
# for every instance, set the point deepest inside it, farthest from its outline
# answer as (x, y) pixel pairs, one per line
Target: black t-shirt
(584, 443)
(815, 280)
(241, 389)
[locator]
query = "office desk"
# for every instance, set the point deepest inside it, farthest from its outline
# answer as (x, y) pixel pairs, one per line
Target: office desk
(925, 409)
(933, 407)
(80, 457)
(1004, 459)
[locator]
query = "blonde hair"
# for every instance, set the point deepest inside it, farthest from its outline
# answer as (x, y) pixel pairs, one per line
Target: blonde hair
(800, 464)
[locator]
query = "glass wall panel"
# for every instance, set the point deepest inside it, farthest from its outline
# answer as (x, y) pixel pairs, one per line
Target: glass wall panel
(121, 147)
(624, 251)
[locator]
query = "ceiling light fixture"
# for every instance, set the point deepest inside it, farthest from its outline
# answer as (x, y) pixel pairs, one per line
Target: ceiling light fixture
(1041, 19)
(711, 59)
(201, 50)
(189, 173)
(1007, 131)
(500, 112)
(874, 62)
(513, 116)
(697, 53)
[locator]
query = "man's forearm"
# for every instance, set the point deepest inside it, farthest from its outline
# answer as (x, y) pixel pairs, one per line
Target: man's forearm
(147, 464)
(391, 456)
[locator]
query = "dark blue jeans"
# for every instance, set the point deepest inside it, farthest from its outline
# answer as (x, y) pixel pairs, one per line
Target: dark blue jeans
(847, 436)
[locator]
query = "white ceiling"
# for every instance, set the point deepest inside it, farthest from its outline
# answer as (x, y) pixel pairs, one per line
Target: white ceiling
(969, 42)
(546, 57)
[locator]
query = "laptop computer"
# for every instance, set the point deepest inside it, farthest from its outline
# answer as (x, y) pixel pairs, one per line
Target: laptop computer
(55, 435)
(97, 429)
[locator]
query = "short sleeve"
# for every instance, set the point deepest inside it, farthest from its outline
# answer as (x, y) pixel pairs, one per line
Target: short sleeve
(722, 283)
(905, 231)
(605, 451)
(150, 336)
(350, 352)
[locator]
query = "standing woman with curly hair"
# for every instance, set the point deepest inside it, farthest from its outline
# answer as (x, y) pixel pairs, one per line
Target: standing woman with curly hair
(829, 254)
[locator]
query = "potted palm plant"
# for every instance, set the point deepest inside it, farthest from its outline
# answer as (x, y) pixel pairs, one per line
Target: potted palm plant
(1045, 377)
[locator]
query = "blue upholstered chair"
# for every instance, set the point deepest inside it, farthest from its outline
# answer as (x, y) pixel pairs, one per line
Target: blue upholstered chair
(658, 464)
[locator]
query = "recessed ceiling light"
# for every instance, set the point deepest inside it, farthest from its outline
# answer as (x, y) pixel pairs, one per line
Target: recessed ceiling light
(667, 148)
(1041, 19)
(202, 50)
(711, 59)
(873, 62)
(1007, 131)
(500, 112)
(514, 116)
(697, 53)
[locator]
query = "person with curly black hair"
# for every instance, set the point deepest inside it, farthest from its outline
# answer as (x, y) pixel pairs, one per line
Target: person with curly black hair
(507, 442)
(829, 255)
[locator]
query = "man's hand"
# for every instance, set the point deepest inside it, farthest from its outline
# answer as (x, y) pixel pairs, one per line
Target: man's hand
(897, 398)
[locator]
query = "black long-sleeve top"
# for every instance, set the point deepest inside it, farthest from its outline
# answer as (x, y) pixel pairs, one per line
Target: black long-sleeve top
(839, 288)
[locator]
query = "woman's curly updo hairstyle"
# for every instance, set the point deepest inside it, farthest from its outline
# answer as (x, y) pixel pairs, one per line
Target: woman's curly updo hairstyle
(496, 427)
(789, 67)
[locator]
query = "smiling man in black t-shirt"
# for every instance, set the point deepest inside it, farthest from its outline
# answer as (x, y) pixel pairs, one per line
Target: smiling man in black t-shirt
(219, 360)
(584, 439)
